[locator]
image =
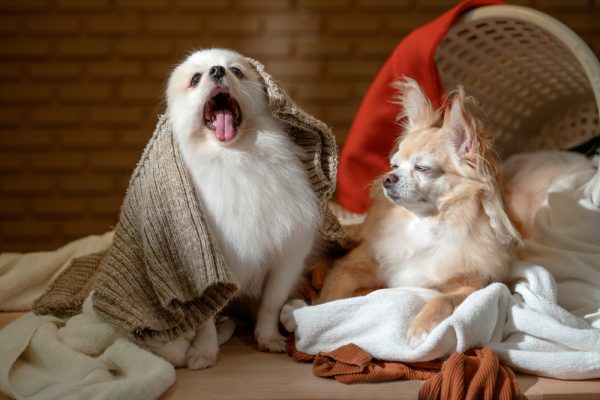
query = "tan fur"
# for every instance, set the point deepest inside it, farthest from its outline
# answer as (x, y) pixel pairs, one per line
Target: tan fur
(444, 228)
(354, 271)
(441, 307)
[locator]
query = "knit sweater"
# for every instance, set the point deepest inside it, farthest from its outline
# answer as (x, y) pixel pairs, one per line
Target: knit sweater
(164, 273)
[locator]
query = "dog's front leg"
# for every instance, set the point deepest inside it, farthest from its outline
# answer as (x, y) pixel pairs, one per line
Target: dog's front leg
(281, 281)
(205, 347)
(454, 292)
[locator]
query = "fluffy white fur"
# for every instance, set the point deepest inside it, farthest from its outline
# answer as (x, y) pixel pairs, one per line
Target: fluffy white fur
(253, 187)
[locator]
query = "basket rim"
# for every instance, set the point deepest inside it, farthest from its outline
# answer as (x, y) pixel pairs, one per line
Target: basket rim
(575, 44)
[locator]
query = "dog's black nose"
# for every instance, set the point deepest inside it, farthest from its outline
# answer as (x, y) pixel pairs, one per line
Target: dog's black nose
(389, 180)
(216, 72)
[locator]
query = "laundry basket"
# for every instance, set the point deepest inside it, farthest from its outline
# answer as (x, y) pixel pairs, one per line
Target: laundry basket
(536, 81)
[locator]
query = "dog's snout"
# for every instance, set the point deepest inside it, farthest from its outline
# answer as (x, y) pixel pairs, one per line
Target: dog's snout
(216, 71)
(389, 180)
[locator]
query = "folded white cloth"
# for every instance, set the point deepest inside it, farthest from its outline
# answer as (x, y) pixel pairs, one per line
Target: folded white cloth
(24, 277)
(549, 325)
(42, 357)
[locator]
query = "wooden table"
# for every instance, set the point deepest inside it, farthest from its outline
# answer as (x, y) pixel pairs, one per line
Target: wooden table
(245, 373)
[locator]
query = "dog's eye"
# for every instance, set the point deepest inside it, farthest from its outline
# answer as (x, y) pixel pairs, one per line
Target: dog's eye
(237, 72)
(394, 166)
(195, 79)
(422, 168)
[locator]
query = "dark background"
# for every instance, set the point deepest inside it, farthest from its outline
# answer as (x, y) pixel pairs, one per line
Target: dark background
(81, 84)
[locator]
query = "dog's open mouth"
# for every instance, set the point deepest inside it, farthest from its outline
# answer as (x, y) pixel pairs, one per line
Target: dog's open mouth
(222, 114)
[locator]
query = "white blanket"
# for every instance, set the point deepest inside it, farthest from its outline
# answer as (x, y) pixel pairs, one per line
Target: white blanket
(41, 357)
(24, 277)
(549, 325)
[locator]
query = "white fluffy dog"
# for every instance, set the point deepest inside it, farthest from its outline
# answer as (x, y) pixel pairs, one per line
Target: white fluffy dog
(251, 183)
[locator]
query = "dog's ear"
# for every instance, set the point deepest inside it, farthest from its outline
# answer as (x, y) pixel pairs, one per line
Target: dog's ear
(417, 111)
(459, 125)
(467, 136)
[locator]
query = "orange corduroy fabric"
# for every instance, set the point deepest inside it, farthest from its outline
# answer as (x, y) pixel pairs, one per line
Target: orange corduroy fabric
(474, 375)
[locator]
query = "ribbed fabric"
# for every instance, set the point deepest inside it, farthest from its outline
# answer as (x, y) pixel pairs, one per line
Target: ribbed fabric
(164, 273)
(475, 375)
(64, 297)
(320, 157)
(351, 364)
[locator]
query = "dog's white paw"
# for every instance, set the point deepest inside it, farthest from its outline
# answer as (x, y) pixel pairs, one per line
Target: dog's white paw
(174, 351)
(287, 314)
(274, 343)
(204, 349)
(198, 359)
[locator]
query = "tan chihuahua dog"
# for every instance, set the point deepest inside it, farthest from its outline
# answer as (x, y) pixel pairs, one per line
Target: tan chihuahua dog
(436, 220)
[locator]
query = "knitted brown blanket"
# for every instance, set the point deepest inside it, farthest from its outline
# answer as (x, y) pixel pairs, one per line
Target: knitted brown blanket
(164, 273)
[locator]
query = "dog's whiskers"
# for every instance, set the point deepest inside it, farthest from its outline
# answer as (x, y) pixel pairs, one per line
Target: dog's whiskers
(249, 99)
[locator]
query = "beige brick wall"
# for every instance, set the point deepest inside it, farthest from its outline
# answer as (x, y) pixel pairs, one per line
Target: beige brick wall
(81, 83)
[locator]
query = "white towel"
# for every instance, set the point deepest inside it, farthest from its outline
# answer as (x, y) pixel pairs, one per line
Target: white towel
(549, 325)
(43, 358)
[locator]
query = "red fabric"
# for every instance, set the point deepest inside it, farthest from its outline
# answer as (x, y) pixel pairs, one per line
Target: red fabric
(374, 131)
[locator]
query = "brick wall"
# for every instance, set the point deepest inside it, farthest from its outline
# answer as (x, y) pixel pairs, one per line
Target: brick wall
(81, 82)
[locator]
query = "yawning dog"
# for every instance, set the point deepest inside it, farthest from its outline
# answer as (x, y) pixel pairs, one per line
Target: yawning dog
(437, 219)
(251, 183)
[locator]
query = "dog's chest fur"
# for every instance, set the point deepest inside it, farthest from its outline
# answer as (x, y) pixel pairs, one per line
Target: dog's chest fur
(413, 251)
(257, 198)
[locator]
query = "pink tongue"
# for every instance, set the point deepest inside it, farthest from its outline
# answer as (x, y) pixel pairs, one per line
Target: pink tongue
(224, 130)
